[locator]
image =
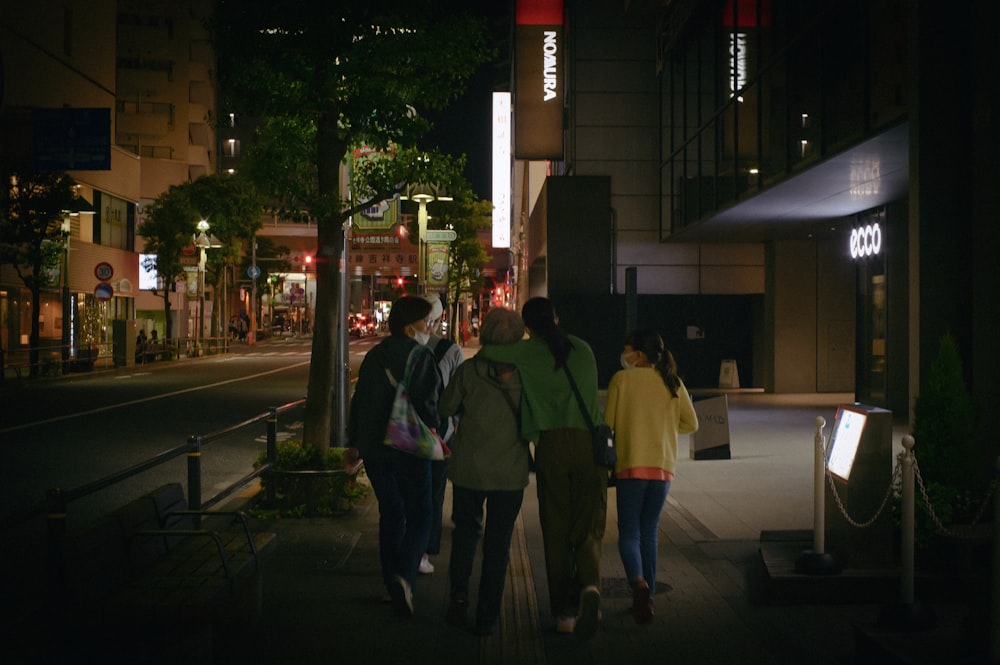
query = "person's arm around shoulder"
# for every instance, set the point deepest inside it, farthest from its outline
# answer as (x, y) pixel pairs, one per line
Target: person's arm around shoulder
(611, 403)
(505, 353)
(688, 422)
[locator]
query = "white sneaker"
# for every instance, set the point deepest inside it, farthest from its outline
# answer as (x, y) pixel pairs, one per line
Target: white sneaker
(565, 624)
(426, 567)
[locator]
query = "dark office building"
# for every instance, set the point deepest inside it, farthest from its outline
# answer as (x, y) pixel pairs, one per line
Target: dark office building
(804, 186)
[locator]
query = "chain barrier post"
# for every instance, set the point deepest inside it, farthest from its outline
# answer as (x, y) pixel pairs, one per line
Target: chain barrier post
(816, 561)
(907, 615)
(907, 508)
(995, 623)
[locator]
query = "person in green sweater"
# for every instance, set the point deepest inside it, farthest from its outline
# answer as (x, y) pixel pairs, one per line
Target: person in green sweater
(572, 490)
(648, 407)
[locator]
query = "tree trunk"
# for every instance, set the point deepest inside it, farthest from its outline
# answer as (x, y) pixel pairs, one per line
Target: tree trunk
(167, 329)
(327, 386)
(33, 339)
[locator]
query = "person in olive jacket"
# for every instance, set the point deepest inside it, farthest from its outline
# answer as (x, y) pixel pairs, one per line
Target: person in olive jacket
(402, 482)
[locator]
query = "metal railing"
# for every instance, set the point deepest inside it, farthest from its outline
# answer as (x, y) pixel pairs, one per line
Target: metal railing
(56, 504)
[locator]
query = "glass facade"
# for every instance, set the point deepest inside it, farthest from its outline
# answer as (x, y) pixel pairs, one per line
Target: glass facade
(753, 91)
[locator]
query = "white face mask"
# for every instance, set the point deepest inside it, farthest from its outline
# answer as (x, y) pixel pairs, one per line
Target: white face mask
(421, 337)
(624, 360)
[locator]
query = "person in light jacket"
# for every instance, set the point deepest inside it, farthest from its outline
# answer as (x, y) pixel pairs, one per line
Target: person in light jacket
(489, 465)
(648, 407)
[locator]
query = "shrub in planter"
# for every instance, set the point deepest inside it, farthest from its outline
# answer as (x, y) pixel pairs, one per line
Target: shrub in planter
(302, 495)
(943, 432)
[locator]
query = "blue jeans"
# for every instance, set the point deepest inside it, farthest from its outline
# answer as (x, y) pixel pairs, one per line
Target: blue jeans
(402, 485)
(502, 507)
(640, 503)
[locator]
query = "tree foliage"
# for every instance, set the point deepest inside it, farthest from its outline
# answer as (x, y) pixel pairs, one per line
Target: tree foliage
(32, 239)
(944, 421)
(466, 256)
(167, 230)
(360, 73)
(230, 205)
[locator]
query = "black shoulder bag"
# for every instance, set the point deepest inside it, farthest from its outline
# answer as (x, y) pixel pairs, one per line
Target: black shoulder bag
(602, 438)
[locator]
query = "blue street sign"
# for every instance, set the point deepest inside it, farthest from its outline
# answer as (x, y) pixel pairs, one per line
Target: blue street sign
(253, 272)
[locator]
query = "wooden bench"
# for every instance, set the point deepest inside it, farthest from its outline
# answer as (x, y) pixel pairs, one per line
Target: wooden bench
(167, 574)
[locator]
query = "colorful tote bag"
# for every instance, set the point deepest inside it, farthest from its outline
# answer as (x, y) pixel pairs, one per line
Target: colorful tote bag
(406, 432)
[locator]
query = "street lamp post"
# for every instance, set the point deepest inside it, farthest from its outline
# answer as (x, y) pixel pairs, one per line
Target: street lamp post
(423, 193)
(204, 241)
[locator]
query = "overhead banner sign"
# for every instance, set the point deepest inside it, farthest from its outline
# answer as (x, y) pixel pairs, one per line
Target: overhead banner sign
(538, 81)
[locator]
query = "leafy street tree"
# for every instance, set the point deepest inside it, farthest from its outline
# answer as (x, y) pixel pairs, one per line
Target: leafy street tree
(229, 204)
(232, 207)
(168, 228)
(359, 72)
(31, 235)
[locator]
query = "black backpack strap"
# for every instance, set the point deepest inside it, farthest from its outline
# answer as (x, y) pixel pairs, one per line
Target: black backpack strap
(441, 348)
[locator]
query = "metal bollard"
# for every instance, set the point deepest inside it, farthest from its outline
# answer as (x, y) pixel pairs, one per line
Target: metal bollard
(272, 450)
(995, 623)
(194, 473)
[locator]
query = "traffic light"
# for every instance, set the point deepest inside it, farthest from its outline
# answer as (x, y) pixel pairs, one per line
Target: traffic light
(399, 282)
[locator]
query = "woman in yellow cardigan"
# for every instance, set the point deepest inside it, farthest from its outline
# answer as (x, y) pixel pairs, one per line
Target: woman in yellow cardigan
(648, 407)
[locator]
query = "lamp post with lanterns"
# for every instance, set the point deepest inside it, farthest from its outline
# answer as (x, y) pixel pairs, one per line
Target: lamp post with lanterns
(423, 193)
(203, 241)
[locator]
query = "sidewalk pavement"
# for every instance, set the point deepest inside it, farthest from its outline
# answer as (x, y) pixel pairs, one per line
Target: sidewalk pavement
(323, 596)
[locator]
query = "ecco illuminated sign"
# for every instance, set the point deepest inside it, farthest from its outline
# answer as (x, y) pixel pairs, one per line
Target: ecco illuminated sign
(866, 241)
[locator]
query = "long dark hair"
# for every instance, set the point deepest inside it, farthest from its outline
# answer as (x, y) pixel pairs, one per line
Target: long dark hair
(540, 317)
(650, 343)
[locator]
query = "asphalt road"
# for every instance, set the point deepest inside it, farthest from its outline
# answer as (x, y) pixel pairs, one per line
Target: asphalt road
(65, 432)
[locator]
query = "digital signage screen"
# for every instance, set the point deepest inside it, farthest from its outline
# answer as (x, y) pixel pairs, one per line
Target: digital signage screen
(847, 430)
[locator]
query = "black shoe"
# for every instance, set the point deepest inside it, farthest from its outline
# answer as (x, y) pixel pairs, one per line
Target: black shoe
(402, 598)
(484, 630)
(457, 612)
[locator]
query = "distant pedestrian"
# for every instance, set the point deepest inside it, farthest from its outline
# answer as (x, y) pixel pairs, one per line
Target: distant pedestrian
(489, 465)
(140, 345)
(402, 482)
(572, 490)
(648, 407)
(448, 356)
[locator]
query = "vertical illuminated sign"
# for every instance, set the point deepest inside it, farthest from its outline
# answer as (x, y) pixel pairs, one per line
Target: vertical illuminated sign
(501, 169)
(538, 82)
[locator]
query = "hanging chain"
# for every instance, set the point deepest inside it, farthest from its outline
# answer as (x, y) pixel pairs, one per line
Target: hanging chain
(896, 481)
(934, 516)
(896, 475)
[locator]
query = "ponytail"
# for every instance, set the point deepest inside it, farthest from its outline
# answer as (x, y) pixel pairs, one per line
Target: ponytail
(651, 344)
(540, 317)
